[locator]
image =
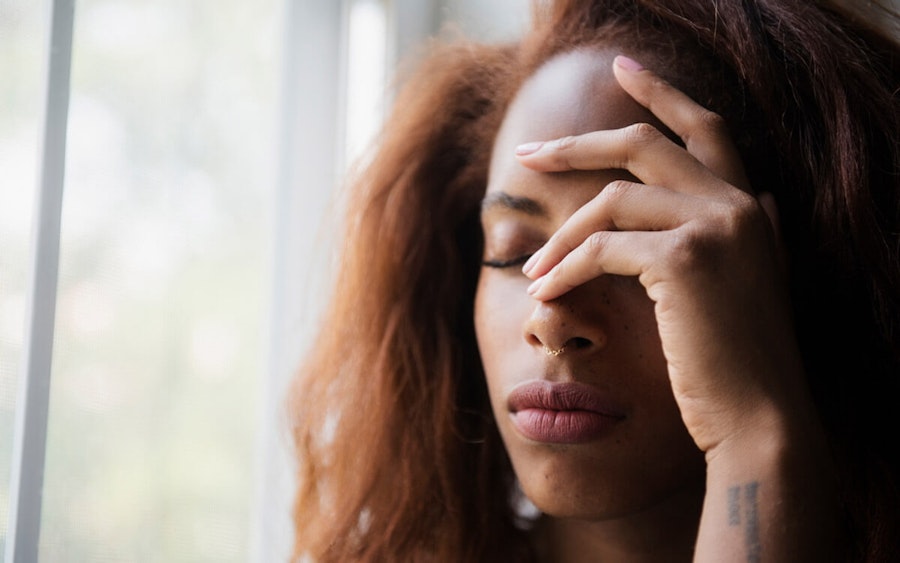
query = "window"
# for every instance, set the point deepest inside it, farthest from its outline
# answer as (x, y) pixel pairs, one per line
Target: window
(165, 169)
(168, 129)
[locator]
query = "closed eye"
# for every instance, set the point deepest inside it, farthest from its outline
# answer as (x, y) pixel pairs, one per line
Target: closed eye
(517, 261)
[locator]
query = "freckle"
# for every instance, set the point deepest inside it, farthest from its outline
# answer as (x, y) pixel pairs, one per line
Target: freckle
(626, 327)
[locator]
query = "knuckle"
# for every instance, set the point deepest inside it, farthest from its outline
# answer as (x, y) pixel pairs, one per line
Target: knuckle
(689, 249)
(712, 123)
(561, 152)
(708, 242)
(739, 215)
(566, 143)
(640, 135)
(595, 243)
(712, 120)
(616, 189)
(745, 201)
(639, 138)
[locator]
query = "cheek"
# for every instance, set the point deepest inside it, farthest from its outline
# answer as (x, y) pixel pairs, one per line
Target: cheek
(487, 326)
(632, 324)
(500, 311)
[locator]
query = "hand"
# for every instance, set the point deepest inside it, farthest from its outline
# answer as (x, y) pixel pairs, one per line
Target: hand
(703, 246)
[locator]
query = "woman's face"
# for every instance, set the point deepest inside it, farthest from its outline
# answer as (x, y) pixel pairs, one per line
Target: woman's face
(592, 431)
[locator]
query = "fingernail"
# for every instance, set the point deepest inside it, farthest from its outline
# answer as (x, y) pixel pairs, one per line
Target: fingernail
(530, 263)
(628, 63)
(528, 148)
(536, 286)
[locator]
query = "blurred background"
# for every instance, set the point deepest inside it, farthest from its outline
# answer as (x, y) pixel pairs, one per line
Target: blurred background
(204, 141)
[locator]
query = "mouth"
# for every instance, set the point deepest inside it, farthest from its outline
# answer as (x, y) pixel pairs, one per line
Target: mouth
(562, 413)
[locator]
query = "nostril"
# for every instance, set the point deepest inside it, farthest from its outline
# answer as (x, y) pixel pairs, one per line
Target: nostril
(578, 342)
(534, 340)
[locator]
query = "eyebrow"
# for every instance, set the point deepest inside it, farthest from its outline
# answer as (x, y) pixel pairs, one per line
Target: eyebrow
(511, 202)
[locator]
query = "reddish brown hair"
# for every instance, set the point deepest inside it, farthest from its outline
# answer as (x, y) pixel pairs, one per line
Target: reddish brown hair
(398, 455)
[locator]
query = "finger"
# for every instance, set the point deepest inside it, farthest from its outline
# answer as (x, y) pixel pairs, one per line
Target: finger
(640, 149)
(620, 206)
(704, 132)
(624, 253)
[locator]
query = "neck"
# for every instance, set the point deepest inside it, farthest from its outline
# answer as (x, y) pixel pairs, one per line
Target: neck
(664, 532)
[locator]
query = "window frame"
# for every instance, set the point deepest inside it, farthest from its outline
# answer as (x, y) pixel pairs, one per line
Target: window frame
(30, 427)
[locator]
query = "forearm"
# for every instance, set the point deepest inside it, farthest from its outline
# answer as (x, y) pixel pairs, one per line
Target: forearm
(771, 496)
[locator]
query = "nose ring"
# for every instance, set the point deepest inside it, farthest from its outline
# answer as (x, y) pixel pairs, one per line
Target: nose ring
(551, 352)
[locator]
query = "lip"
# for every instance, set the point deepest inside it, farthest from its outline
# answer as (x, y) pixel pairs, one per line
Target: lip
(562, 413)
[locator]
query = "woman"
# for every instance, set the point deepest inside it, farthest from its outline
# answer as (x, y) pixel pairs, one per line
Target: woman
(640, 272)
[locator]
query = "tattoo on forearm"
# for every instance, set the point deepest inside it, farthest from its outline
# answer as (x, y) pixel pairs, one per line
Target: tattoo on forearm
(751, 528)
(734, 506)
(749, 516)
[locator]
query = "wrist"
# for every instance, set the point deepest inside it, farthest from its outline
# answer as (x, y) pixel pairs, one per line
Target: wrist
(771, 488)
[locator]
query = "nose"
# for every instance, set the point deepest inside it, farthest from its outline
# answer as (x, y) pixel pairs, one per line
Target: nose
(560, 325)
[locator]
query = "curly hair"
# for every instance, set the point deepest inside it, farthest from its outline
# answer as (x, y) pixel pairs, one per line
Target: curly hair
(398, 454)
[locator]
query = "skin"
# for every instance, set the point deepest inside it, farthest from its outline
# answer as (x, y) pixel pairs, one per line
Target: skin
(658, 270)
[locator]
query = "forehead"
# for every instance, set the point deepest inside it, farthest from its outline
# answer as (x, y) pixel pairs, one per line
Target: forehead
(571, 94)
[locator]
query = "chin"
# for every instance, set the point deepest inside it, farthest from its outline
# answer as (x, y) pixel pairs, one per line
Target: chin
(564, 492)
(574, 482)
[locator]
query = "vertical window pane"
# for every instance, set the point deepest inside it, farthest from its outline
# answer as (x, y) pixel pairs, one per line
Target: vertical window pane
(163, 278)
(23, 39)
(366, 68)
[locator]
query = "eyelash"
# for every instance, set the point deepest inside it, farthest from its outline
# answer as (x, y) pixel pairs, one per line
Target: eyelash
(517, 261)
